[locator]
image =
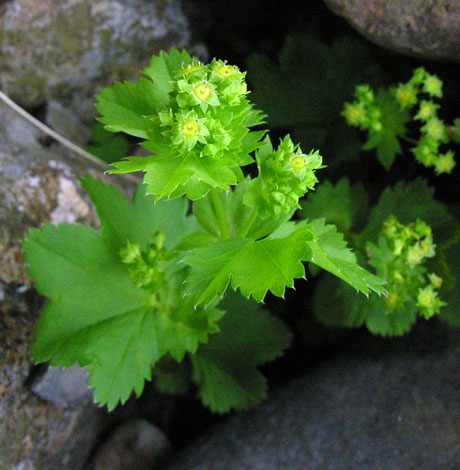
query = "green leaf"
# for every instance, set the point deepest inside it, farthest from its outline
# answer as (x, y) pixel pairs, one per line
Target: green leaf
(167, 175)
(125, 106)
(107, 146)
(96, 316)
(225, 369)
(342, 205)
(171, 376)
(297, 92)
(252, 266)
(450, 313)
(330, 252)
(161, 69)
(95, 303)
(137, 222)
(336, 305)
(393, 126)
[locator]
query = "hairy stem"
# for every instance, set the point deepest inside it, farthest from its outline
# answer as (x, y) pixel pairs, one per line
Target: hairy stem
(221, 219)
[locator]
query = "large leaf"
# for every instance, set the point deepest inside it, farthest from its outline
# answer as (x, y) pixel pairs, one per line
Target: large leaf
(252, 266)
(139, 220)
(343, 205)
(225, 369)
(96, 316)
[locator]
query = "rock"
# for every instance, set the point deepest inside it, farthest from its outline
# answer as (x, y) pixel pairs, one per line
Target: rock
(395, 411)
(34, 434)
(37, 184)
(429, 29)
(133, 445)
(70, 48)
(63, 387)
(66, 123)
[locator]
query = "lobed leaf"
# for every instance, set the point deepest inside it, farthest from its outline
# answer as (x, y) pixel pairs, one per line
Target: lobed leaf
(341, 204)
(330, 252)
(139, 220)
(252, 266)
(96, 316)
(393, 121)
(225, 369)
(125, 106)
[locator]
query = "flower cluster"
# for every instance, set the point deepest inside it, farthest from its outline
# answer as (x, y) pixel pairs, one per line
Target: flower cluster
(207, 109)
(433, 132)
(400, 258)
(285, 175)
(365, 113)
(144, 266)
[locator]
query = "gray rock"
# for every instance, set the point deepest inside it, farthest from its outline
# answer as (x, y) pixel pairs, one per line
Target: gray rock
(426, 28)
(37, 185)
(68, 49)
(34, 434)
(63, 387)
(66, 123)
(386, 412)
(133, 445)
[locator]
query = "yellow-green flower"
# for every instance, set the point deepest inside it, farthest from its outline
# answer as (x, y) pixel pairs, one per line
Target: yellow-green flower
(426, 110)
(432, 85)
(435, 129)
(445, 163)
(428, 301)
(406, 95)
(435, 280)
(354, 113)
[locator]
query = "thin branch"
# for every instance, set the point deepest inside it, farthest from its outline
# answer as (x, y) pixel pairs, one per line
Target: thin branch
(62, 140)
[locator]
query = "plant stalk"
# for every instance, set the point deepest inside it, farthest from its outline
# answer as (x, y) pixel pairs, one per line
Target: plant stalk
(220, 214)
(249, 223)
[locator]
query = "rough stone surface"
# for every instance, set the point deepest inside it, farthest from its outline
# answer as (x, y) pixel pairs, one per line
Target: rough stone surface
(34, 434)
(133, 445)
(68, 49)
(37, 184)
(395, 411)
(426, 28)
(63, 387)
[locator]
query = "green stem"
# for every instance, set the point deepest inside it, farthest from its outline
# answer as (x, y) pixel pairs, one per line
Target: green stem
(221, 219)
(408, 139)
(249, 223)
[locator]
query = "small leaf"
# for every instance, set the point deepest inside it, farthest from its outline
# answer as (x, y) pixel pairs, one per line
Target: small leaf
(393, 121)
(330, 252)
(124, 107)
